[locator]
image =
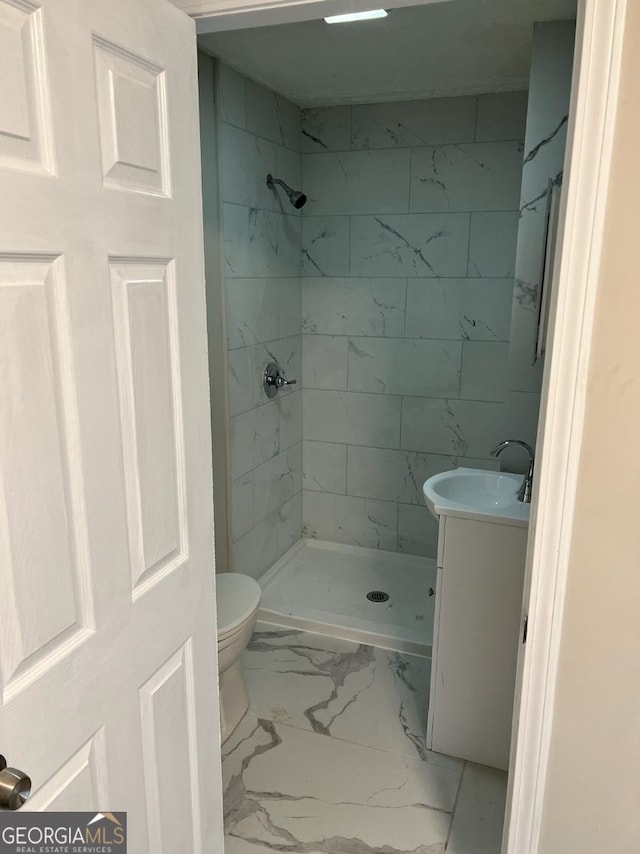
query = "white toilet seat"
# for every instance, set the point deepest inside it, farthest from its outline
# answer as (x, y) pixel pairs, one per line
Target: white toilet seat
(238, 596)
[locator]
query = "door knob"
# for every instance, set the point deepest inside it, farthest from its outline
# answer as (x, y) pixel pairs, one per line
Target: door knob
(274, 379)
(15, 787)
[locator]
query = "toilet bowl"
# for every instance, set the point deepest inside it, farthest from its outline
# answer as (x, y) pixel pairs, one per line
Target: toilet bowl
(238, 598)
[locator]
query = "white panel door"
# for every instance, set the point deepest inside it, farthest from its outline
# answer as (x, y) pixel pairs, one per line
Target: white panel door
(108, 672)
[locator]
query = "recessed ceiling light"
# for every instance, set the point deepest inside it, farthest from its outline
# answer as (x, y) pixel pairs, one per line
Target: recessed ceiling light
(356, 16)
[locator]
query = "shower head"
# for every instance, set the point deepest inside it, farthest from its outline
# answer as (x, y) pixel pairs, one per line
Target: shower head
(297, 199)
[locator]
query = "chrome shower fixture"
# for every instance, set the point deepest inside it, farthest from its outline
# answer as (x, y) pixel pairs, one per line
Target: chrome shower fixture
(297, 199)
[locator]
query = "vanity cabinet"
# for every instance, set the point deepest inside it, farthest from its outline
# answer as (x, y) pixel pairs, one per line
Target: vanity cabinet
(477, 631)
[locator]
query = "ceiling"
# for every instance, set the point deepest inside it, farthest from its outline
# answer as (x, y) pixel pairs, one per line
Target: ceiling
(456, 47)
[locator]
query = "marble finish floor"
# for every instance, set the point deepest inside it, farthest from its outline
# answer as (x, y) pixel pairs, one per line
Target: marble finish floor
(331, 757)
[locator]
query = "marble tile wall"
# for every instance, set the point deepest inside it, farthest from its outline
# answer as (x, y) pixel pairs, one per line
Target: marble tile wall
(544, 153)
(408, 251)
(412, 342)
(260, 132)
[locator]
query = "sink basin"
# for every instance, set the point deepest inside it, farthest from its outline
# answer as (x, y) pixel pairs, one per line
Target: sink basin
(477, 494)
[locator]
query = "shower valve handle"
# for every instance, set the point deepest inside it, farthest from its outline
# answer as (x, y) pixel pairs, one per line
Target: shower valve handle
(282, 381)
(274, 379)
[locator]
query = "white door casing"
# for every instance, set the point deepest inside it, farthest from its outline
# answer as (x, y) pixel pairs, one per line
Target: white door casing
(108, 668)
(594, 99)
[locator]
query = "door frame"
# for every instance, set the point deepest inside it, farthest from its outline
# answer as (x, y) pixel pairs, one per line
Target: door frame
(594, 97)
(594, 101)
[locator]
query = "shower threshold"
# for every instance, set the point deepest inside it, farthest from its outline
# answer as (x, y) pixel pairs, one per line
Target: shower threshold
(322, 587)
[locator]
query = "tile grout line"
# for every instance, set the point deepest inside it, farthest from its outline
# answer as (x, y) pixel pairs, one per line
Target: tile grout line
(475, 119)
(253, 714)
(403, 395)
(455, 803)
(413, 147)
(448, 212)
(367, 276)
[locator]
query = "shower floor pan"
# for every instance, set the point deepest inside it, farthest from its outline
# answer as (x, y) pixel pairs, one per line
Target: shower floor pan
(322, 587)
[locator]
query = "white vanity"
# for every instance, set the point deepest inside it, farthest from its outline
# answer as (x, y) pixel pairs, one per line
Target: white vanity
(482, 544)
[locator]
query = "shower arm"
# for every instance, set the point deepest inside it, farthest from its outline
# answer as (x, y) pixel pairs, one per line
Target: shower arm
(297, 198)
(271, 181)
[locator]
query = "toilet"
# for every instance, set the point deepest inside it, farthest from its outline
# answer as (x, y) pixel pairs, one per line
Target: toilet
(238, 598)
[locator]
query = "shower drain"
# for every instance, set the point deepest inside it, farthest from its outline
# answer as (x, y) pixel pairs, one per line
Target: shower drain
(377, 596)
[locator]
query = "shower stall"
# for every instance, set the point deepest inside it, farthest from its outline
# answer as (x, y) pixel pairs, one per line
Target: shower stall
(376, 321)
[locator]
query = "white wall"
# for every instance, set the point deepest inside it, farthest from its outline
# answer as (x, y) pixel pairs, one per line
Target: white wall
(408, 243)
(259, 132)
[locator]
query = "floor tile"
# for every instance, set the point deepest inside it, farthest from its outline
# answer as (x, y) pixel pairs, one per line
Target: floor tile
(355, 692)
(287, 789)
(477, 823)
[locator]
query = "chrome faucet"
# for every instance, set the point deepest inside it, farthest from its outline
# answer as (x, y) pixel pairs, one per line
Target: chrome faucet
(525, 490)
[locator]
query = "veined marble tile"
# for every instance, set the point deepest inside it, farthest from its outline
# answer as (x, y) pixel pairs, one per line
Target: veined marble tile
(258, 550)
(289, 296)
(501, 116)
(467, 309)
(525, 295)
(255, 438)
(356, 182)
(247, 160)
(240, 373)
(324, 361)
(549, 153)
(251, 307)
(492, 244)
(354, 800)
(465, 428)
(351, 418)
(489, 464)
(405, 366)
(324, 467)
(417, 531)
(277, 480)
(410, 245)
(392, 475)
(289, 523)
(287, 353)
(274, 243)
(548, 107)
(242, 514)
(325, 245)
(345, 519)
(231, 95)
(331, 686)
(237, 262)
(410, 123)
(289, 170)
(547, 119)
(469, 177)
(479, 816)
(290, 411)
(354, 306)
(532, 226)
(522, 410)
(484, 370)
(326, 129)
(524, 375)
(548, 111)
(272, 116)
